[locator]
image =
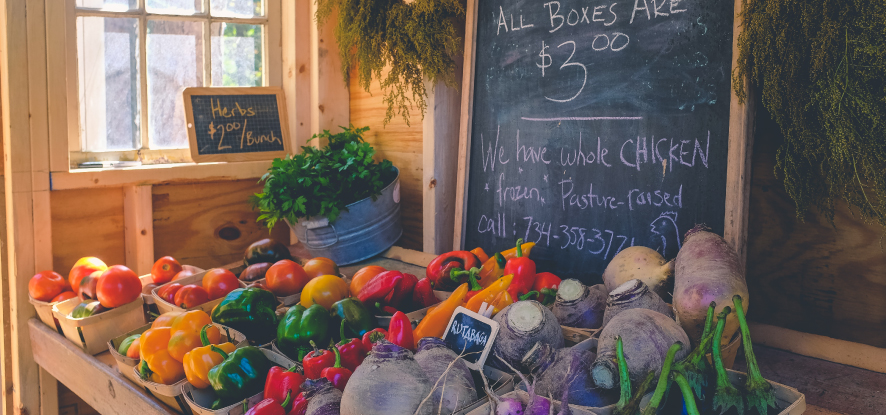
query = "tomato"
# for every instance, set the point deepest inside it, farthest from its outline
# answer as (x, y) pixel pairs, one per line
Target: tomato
(219, 282)
(363, 276)
(82, 268)
(164, 269)
(167, 292)
(320, 266)
(118, 286)
(88, 286)
(191, 296)
(65, 295)
(286, 278)
(45, 285)
(185, 273)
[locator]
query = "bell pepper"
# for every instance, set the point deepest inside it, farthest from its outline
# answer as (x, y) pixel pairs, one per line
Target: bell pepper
(379, 287)
(314, 362)
(123, 348)
(270, 407)
(337, 374)
(546, 284)
(423, 294)
(371, 337)
(400, 331)
(488, 294)
(502, 300)
(435, 321)
(474, 285)
(249, 311)
(299, 327)
(299, 405)
(324, 290)
(402, 290)
(357, 318)
(240, 375)
(440, 269)
(186, 332)
(351, 350)
(282, 384)
(384, 310)
(481, 254)
(157, 365)
(523, 270)
(494, 267)
(198, 361)
(165, 319)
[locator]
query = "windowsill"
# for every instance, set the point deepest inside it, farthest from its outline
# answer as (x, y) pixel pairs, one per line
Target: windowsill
(156, 174)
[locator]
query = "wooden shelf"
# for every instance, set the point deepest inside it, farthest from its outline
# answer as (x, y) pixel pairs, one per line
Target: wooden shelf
(157, 174)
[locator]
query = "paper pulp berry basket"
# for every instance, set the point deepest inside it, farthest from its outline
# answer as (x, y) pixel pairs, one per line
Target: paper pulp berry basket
(196, 279)
(92, 333)
(44, 312)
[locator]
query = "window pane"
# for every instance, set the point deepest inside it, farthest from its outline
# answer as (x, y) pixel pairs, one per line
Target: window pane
(107, 52)
(235, 8)
(175, 61)
(236, 54)
(111, 5)
(174, 6)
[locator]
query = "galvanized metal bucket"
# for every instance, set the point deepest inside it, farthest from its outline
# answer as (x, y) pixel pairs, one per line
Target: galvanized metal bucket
(366, 229)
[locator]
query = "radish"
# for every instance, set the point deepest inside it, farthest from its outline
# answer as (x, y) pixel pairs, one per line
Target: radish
(645, 264)
(634, 294)
(580, 306)
(523, 324)
(707, 270)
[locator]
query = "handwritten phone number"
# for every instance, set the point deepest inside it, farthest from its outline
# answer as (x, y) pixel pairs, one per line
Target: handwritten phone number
(596, 241)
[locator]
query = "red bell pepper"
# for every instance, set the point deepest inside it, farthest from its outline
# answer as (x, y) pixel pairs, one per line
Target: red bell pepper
(299, 405)
(373, 336)
(379, 287)
(270, 406)
(523, 270)
(474, 285)
(314, 362)
(439, 271)
(546, 284)
(385, 309)
(423, 294)
(351, 350)
(400, 331)
(401, 291)
(282, 384)
(336, 374)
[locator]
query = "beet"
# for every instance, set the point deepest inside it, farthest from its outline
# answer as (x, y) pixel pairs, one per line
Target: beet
(388, 382)
(580, 306)
(634, 294)
(450, 376)
(555, 371)
(323, 398)
(523, 324)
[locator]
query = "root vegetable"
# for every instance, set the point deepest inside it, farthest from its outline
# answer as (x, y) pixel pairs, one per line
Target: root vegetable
(552, 368)
(634, 294)
(453, 384)
(523, 324)
(580, 306)
(389, 382)
(707, 269)
(323, 397)
(645, 264)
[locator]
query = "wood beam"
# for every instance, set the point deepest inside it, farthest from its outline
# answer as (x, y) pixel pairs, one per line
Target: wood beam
(138, 228)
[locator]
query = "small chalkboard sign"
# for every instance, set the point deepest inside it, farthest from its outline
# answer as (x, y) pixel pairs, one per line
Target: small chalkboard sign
(471, 336)
(236, 124)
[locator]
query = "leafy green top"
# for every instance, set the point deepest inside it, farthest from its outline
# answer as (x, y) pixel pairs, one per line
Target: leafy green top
(322, 182)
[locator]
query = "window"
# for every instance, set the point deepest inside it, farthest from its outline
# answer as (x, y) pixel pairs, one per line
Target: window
(134, 58)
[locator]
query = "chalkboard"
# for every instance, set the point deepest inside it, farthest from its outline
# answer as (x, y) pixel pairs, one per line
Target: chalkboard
(236, 124)
(471, 336)
(589, 127)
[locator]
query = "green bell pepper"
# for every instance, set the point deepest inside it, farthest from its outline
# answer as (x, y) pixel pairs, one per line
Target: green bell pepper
(299, 326)
(124, 345)
(249, 311)
(241, 375)
(357, 318)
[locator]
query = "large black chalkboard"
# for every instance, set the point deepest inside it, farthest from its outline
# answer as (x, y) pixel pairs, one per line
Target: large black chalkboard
(236, 124)
(597, 125)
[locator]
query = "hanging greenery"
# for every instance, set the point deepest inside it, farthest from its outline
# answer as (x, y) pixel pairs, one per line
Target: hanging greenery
(415, 41)
(821, 68)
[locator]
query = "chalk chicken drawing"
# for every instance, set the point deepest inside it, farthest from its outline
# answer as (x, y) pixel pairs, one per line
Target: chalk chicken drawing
(664, 228)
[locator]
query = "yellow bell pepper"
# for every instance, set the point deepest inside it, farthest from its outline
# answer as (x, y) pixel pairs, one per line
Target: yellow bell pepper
(489, 293)
(165, 319)
(324, 290)
(198, 361)
(494, 267)
(157, 365)
(435, 321)
(185, 333)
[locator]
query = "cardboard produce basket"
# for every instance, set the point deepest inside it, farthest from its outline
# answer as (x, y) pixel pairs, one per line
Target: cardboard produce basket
(196, 279)
(44, 312)
(147, 279)
(93, 333)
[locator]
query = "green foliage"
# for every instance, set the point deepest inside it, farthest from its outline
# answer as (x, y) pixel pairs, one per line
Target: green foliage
(821, 67)
(322, 182)
(413, 41)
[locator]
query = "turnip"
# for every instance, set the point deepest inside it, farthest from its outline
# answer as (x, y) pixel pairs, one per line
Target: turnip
(707, 270)
(323, 397)
(634, 294)
(523, 324)
(551, 368)
(453, 384)
(647, 336)
(580, 306)
(640, 262)
(388, 382)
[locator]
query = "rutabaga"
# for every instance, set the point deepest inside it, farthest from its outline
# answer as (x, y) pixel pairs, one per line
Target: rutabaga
(388, 382)
(644, 264)
(450, 376)
(634, 294)
(580, 306)
(523, 324)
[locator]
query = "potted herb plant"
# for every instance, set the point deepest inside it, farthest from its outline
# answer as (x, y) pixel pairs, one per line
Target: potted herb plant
(340, 202)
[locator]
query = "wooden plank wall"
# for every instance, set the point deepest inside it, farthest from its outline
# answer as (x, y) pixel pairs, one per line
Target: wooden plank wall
(810, 276)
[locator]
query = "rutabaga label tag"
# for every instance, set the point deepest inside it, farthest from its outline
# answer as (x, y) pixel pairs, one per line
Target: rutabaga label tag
(471, 336)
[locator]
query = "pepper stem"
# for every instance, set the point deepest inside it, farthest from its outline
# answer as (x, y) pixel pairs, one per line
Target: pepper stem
(623, 376)
(472, 278)
(144, 371)
(500, 260)
(528, 295)
(316, 351)
(288, 399)
(519, 247)
(204, 338)
(376, 336)
(215, 348)
(245, 405)
(337, 358)
(341, 331)
(550, 295)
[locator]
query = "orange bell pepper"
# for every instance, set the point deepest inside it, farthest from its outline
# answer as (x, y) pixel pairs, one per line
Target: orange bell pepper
(324, 290)
(165, 319)
(435, 321)
(494, 267)
(157, 365)
(489, 293)
(481, 254)
(185, 333)
(198, 361)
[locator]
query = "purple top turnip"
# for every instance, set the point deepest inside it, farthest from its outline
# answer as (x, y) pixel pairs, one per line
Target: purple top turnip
(580, 306)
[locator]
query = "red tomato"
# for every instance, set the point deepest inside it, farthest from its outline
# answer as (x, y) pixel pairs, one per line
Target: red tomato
(185, 273)
(118, 286)
(286, 278)
(164, 269)
(167, 292)
(190, 296)
(219, 282)
(320, 266)
(45, 285)
(65, 295)
(82, 268)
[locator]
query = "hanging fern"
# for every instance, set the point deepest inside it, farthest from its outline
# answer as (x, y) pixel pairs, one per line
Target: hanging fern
(821, 68)
(414, 41)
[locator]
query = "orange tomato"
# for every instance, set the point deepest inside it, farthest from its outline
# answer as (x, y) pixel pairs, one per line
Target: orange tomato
(219, 282)
(164, 269)
(320, 266)
(45, 285)
(118, 286)
(83, 267)
(65, 295)
(185, 273)
(363, 276)
(286, 278)
(191, 296)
